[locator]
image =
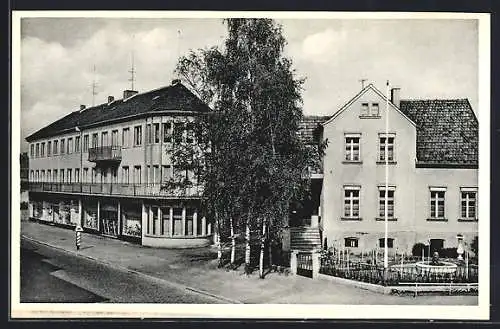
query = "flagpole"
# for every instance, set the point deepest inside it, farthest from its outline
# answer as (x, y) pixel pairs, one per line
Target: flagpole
(386, 199)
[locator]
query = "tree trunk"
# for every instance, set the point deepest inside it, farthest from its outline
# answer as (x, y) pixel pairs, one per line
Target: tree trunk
(247, 246)
(270, 251)
(217, 238)
(262, 247)
(233, 241)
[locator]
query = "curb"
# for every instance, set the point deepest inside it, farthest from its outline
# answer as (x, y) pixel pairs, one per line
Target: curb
(147, 276)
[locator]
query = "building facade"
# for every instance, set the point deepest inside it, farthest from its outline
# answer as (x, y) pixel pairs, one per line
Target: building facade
(424, 160)
(106, 167)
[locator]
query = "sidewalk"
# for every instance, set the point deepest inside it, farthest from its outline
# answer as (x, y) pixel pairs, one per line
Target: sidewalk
(195, 268)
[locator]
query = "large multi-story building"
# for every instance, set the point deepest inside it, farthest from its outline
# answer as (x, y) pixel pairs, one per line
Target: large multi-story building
(105, 168)
(431, 150)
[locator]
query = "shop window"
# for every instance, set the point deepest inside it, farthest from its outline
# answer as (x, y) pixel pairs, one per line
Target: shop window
(189, 221)
(177, 218)
(165, 226)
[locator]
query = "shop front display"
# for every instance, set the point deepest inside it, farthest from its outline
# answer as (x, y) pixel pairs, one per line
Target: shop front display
(74, 212)
(90, 215)
(109, 219)
(131, 220)
(46, 212)
(37, 209)
(64, 214)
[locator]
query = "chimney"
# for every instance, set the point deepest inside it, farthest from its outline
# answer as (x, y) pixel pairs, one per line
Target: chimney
(175, 81)
(111, 99)
(395, 96)
(82, 107)
(129, 93)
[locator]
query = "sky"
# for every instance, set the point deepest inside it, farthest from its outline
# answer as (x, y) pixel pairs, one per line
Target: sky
(427, 59)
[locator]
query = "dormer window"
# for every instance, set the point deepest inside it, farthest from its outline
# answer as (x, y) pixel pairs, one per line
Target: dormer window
(369, 110)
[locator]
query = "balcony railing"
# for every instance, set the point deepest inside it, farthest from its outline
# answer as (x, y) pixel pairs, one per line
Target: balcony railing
(105, 153)
(118, 189)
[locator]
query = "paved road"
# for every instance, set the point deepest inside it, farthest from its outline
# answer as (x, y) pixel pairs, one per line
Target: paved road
(52, 275)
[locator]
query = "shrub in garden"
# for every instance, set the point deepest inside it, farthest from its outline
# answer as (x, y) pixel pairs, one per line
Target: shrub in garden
(416, 250)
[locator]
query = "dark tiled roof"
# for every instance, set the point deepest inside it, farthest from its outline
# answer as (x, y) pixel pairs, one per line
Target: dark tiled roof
(170, 98)
(309, 128)
(447, 131)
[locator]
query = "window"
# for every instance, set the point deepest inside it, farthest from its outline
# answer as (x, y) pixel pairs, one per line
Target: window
(32, 176)
(56, 147)
(49, 148)
(351, 202)
(167, 132)
(85, 143)
(62, 146)
(390, 243)
(386, 140)
(156, 174)
(69, 176)
(104, 139)
(85, 177)
(70, 145)
(95, 140)
(49, 175)
(137, 174)
(156, 132)
(32, 150)
(37, 153)
(62, 176)
(42, 150)
(137, 135)
(54, 176)
(189, 221)
(149, 138)
(177, 219)
(77, 144)
(165, 227)
(351, 242)
(114, 175)
(364, 109)
(352, 147)
(126, 137)
(369, 110)
(125, 175)
(468, 203)
(93, 178)
(390, 202)
(437, 203)
(149, 178)
(37, 175)
(43, 176)
(114, 138)
(77, 175)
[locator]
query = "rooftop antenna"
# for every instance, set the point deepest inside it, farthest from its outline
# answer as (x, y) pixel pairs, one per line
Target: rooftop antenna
(362, 83)
(132, 68)
(94, 86)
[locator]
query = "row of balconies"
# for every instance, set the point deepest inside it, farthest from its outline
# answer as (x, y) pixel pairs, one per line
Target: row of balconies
(105, 153)
(118, 189)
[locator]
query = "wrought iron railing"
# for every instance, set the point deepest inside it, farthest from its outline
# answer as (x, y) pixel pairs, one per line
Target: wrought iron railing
(105, 153)
(118, 189)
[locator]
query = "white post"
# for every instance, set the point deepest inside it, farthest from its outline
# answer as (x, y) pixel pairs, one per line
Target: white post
(171, 228)
(203, 226)
(315, 264)
(144, 219)
(98, 215)
(386, 199)
(293, 262)
(195, 223)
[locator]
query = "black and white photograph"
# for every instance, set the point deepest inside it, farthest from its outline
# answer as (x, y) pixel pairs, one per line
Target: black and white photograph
(288, 165)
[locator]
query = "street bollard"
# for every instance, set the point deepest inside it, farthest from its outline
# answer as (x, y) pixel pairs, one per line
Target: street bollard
(78, 236)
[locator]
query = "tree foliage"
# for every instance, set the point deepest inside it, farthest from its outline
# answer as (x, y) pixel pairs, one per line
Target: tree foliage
(247, 155)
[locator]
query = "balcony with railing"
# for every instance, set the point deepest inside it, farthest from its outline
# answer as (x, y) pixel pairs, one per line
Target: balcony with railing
(156, 190)
(105, 154)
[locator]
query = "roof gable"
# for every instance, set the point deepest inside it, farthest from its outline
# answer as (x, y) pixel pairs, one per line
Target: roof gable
(361, 93)
(447, 131)
(170, 98)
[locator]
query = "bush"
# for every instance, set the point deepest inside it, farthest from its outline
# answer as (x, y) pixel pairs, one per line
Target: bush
(24, 205)
(474, 246)
(416, 250)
